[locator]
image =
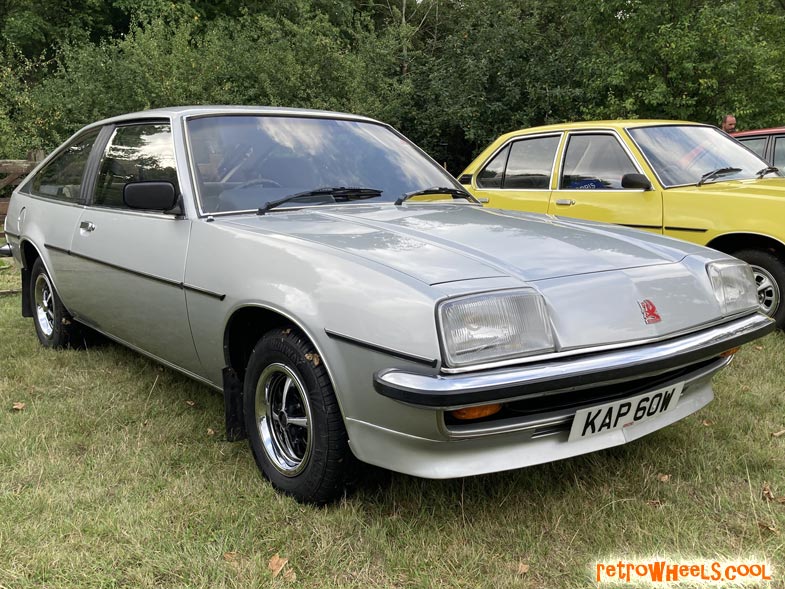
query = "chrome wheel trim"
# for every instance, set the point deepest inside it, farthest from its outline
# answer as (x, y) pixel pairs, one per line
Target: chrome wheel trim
(283, 418)
(44, 305)
(768, 290)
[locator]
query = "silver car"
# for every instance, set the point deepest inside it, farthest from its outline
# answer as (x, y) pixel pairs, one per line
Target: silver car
(353, 302)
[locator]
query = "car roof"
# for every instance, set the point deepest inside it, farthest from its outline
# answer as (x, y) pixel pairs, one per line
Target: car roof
(769, 131)
(617, 125)
(208, 110)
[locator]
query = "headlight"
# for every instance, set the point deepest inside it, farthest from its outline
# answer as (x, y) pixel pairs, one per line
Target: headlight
(734, 286)
(494, 326)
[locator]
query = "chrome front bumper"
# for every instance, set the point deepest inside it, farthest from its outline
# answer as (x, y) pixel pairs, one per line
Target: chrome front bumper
(439, 391)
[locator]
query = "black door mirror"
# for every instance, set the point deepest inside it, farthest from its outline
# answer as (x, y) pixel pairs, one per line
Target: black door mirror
(150, 196)
(635, 181)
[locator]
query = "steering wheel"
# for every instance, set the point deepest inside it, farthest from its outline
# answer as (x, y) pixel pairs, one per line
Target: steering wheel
(263, 182)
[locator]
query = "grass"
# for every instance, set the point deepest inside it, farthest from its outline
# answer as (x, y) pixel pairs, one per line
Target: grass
(116, 474)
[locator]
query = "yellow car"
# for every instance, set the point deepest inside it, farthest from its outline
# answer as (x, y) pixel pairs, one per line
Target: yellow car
(681, 179)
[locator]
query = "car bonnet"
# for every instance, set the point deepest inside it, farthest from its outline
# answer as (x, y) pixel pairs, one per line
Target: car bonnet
(445, 243)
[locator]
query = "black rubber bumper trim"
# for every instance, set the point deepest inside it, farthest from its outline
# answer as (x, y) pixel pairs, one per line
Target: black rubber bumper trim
(687, 229)
(390, 352)
(173, 283)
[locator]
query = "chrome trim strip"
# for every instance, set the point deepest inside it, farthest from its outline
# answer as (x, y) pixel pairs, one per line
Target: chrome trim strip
(9, 234)
(389, 351)
(451, 391)
(167, 281)
(569, 352)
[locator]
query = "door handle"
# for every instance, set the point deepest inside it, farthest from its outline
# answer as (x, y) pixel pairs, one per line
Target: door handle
(87, 226)
(565, 202)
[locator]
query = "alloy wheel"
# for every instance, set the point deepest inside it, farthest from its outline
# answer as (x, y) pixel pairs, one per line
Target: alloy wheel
(283, 417)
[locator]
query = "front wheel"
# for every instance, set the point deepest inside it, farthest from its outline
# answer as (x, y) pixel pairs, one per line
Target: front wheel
(294, 425)
(54, 326)
(769, 273)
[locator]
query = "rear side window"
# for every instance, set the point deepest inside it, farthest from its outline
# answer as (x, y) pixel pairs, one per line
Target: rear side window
(61, 178)
(523, 164)
(595, 162)
(530, 163)
(135, 153)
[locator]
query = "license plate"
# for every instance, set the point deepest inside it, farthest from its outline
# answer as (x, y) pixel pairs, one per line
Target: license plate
(625, 413)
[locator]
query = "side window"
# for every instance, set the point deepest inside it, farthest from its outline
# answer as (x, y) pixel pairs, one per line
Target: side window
(778, 158)
(135, 153)
(756, 144)
(61, 178)
(594, 162)
(493, 174)
(530, 163)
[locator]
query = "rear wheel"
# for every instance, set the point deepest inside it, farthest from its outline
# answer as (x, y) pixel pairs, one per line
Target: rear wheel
(54, 326)
(295, 428)
(769, 274)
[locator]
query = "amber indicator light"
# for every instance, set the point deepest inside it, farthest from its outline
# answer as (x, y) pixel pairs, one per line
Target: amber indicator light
(476, 412)
(728, 353)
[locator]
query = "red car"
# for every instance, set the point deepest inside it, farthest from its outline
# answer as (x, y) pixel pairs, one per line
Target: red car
(767, 143)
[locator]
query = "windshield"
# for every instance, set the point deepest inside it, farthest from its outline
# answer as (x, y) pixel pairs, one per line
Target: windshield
(683, 154)
(243, 162)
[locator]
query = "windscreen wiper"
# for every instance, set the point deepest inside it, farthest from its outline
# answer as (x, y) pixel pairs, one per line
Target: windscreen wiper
(338, 193)
(716, 174)
(454, 192)
(766, 170)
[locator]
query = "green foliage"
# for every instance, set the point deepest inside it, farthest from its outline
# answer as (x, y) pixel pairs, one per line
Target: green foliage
(452, 74)
(34, 27)
(694, 61)
(251, 59)
(499, 66)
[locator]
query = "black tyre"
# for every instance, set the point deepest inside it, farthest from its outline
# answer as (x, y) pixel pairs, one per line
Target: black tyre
(294, 425)
(54, 326)
(769, 273)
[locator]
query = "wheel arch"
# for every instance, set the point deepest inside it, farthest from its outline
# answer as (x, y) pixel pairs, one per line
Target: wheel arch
(733, 242)
(29, 253)
(243, 329)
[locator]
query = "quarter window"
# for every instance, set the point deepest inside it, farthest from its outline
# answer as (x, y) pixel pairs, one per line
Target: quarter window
(595, 162)
(756, 144)
(61, 178)
(136, 153)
